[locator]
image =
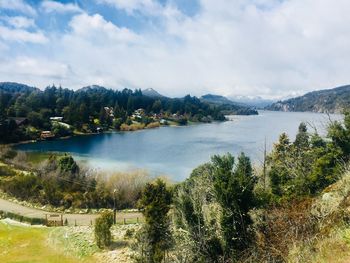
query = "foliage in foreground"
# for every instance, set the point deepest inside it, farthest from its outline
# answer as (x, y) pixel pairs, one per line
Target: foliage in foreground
(60, 182)
(102, 229)
(212, 208)
(154, 239)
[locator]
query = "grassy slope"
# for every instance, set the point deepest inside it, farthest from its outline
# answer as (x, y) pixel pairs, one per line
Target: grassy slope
(332, 212)
(30, 244)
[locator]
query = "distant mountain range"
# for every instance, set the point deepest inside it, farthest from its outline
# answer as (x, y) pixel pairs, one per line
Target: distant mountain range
(216, 99)
(329, 100)
(256, 101)
(228, 105)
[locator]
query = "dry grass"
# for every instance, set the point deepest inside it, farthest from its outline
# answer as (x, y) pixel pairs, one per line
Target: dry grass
(132, 127)
(153, 125)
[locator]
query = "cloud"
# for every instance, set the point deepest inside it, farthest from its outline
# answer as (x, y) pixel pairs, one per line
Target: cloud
(97, 28)
(49, 6)
(18, 21)
(271, 48)
(17, 5)
(34, 71)
(20, 35)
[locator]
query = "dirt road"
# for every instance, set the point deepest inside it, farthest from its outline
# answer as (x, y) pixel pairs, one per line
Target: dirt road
(79, 219)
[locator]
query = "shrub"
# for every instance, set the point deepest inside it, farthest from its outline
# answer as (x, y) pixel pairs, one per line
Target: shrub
(102, 229)
(20, 218)
(153, 125)
(6, 171)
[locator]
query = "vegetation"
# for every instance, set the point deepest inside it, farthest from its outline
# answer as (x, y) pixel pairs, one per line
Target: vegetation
(60, 182)
(26, 111)
(103, 229)
(332, 100)
(226, 212)
(155, 238)
(21, 218)
(30, 244)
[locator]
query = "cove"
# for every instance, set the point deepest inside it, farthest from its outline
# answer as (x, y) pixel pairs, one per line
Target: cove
(176, 151)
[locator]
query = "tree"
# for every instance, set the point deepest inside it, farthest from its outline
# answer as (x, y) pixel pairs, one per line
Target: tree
(234, 187)
(155, 202)
(102, 230)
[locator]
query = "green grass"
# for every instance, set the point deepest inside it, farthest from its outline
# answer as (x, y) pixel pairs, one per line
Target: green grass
(32, 244)
(38, 157)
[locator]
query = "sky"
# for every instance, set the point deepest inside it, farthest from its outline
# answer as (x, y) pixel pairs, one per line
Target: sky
(268, 48)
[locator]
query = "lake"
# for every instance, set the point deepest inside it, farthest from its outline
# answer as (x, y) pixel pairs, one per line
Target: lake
(176, 151)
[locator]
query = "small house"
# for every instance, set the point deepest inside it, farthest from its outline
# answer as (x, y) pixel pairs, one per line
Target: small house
(56, 118)
(46, 135)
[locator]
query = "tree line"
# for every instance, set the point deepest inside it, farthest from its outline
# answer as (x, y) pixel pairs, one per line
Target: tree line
(84, 109)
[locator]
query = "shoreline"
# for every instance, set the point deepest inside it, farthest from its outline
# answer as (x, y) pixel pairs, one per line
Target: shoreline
(105, 132)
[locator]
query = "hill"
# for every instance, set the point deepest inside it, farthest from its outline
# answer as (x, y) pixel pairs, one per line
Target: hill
(329, 100)
(228, 106)
(216, 99)
(13, 87)
(255, 101)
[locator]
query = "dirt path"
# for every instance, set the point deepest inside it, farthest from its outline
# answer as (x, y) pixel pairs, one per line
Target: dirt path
(79, 219)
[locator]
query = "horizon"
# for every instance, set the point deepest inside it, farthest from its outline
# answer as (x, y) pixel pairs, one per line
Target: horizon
(232, 97)
(265, 48)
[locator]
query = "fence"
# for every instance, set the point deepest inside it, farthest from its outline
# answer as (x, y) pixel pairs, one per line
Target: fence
(61, 220)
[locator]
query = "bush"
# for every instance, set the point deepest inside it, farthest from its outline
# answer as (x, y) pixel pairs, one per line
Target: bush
(102, 229)
(20, 218)
(6, 171)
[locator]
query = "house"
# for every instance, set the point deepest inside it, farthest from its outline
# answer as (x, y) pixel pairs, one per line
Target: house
(109, 111)
(20, 121)
(139, 112)
(46, 135)
(56, 118)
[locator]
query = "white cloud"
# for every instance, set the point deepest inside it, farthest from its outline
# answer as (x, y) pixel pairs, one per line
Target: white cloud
(49, 6)
(19, 21)
(100, 30)
(34, 71)
(17, 5)
(20, 35)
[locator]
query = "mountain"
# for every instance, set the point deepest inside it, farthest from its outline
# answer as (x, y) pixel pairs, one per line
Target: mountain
(151, 93)
(329, 100)
(257, 101)
(216, 99)
(13, 87)
(228, 106)
(92, 88)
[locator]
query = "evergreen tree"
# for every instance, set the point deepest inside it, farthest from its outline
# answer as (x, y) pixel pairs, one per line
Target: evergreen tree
(155, 202)
(234, 187)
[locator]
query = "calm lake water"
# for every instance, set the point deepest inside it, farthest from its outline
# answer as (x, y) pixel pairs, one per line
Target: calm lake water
(176, 151)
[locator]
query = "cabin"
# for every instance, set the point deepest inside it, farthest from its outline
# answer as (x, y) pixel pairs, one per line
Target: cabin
(56, 118)
(20, 121)
(109, 111)
(46, 135)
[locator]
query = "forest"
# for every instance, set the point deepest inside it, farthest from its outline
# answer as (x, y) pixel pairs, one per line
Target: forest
(26, 111)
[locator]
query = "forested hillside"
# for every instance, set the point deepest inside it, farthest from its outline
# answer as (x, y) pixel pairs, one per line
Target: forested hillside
(27, 111)
(330, 100)
(228, 105)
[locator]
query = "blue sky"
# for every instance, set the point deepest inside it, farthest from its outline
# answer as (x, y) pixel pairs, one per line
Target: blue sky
(268, 48)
